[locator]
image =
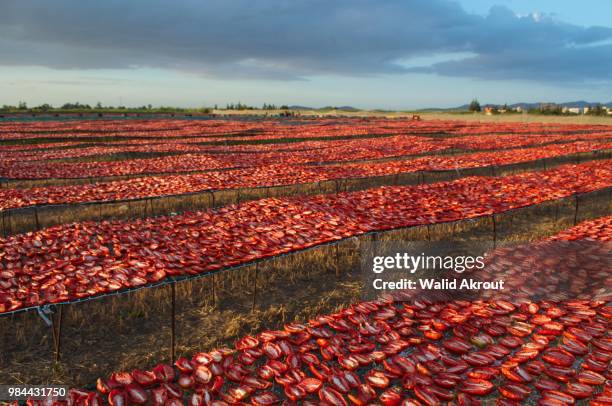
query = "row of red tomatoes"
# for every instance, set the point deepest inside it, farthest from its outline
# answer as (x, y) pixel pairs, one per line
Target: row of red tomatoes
(194, 145)
(594, 230)
(393, 353)
(192, 158)
(305, 128)
(276, 175)
(87, 259)
(351, 150)
(574, 264)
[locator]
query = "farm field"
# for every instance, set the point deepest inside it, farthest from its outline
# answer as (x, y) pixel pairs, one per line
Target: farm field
(220, 261)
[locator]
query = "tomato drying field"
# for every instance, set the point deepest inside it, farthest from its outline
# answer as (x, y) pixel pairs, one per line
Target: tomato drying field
(218, 261)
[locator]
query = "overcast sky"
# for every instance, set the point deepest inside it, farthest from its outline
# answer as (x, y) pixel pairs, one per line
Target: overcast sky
(398, 54)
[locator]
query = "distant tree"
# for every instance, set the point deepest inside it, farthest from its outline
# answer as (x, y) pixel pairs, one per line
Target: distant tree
(284, 107)
(239, 106)
(551, 108)
(597, 110)
(149, 106)
(22, 106)
(99, 105)
(475, 105)
(76, 106)
(44, 107)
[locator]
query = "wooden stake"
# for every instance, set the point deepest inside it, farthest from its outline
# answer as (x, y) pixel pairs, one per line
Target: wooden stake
(494, 231)
(36, 218)
(56, 330)
(255, 287)
(576, 210)
(173, 322)
(213, 290)
(337, 249)
(4, 233)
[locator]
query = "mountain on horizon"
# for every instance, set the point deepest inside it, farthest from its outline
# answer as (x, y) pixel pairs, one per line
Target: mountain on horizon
(342, 108)
(523, 105)
(527, 105)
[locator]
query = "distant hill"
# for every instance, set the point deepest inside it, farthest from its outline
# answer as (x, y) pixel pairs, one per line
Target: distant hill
(296, 107)
(347, 108)
(341, 108)
(526, 105)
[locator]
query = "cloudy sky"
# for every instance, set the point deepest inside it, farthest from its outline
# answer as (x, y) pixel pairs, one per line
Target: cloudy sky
(399, 54)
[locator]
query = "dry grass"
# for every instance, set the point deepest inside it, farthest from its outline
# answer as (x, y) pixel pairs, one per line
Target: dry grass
(497, 118)
(133, 330)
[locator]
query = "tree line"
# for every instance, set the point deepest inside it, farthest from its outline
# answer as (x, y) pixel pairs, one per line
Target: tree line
(22, 107)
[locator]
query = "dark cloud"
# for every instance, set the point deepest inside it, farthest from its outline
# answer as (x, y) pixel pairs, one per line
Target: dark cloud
(289, 39)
